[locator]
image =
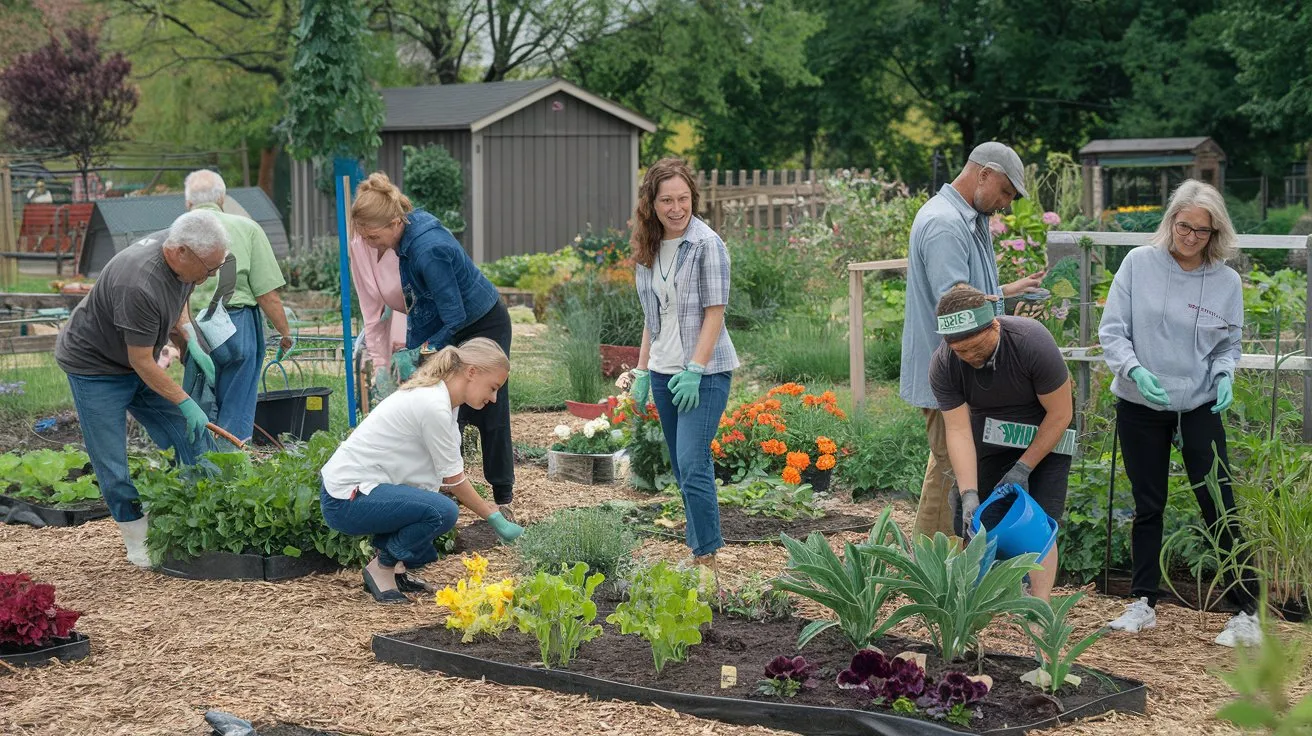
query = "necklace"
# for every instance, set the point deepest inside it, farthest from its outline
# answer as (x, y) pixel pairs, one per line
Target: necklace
(665, 273)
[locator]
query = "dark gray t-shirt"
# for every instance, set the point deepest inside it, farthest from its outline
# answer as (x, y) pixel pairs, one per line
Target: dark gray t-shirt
(1026, 366)
(136, 301)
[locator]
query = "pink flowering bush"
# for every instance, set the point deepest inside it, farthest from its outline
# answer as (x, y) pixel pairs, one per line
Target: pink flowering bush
(1020, 239)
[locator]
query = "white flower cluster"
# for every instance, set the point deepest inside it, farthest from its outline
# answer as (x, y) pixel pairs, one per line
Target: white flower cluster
(596, 425)
(563, 431)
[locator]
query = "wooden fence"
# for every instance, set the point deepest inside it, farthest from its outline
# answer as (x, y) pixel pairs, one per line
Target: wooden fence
(759, 201)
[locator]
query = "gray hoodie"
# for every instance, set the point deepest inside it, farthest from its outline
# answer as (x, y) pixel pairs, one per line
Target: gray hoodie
(1182, 326)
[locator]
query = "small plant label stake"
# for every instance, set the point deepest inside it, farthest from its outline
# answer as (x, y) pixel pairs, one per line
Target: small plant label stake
(728, 676)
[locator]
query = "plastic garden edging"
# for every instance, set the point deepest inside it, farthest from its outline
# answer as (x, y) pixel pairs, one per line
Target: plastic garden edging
(229, 566)
(806, 719)
(75, 646)
(12, 510)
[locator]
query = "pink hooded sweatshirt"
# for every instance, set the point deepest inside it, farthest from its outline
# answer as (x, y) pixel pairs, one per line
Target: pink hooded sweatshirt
(378, 285)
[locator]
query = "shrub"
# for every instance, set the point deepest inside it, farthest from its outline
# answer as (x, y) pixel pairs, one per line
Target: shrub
(28, 614)
(610, 296)
(1021, 238)
(762, 282)
(864, 221)
(434, 182)
(602, 249)
(229, 504)
(596, 537)
(887, 451)
(315, 267)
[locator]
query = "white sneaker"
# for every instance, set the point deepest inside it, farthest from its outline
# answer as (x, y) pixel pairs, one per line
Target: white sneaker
(1137, 617)
(134, 538)
(1242, 629)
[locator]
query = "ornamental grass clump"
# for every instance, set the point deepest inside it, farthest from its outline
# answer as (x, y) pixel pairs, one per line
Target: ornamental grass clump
(596, 537)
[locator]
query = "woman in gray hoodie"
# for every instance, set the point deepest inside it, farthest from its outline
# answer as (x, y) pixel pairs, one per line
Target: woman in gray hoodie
(1171, 333)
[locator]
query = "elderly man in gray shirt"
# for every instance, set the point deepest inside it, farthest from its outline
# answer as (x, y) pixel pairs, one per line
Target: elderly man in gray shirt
(951, 244)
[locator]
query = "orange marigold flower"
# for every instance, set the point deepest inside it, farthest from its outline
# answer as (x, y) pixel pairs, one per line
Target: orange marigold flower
(726, 422)
(825, 445)
(779, 427)
(715, 448)
(828, 397)
(825, 462)
(799, 460)
(836, 411)
(774, 447)
(773, 404)
(621, 417)
(810, 400)
(792, 476)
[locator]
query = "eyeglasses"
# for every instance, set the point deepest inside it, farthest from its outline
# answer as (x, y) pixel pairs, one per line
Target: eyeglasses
(208, 271)
(1202, 233)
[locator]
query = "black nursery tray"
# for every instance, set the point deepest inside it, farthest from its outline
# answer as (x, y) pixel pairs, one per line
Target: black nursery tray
(616, 667)
(69, 649)
(229, 566)
(20, 511)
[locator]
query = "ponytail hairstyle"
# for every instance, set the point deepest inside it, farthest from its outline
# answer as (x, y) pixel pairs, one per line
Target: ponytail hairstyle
(647, 229)
(480, 353)
(378, 202)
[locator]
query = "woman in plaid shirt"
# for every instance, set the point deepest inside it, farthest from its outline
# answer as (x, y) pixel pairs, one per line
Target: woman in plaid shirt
(687, 358)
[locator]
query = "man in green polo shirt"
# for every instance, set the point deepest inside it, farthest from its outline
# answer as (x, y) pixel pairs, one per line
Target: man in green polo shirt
(231, 325)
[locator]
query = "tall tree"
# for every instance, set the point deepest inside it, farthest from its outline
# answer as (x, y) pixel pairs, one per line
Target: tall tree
(69, 98)
(447, 30)
(1270, 42)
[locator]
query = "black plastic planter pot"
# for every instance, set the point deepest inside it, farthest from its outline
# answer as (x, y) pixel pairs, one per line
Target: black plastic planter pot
(805, 719)
(70, 649)
(18, 511)
(229, 566)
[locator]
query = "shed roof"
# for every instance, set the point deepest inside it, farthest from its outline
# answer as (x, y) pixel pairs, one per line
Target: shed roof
(156, 212)
(476, 106)
(1145, 145)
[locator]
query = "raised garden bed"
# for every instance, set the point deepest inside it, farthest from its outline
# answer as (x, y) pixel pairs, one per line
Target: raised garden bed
(620, 667)
(739, 527)
(229, 566)
(71, 648)
(20, 511)
(587, 469)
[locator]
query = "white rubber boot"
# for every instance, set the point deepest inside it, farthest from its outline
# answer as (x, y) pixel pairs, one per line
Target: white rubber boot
(134, 538)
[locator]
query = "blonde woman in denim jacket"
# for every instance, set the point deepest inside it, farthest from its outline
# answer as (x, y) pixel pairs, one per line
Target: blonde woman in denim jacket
(687, 358)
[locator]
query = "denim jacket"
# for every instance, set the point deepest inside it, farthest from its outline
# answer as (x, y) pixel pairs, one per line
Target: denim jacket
(444, 291)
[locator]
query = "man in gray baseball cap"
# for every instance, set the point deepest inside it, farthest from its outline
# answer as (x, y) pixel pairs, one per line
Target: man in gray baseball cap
(951, 244)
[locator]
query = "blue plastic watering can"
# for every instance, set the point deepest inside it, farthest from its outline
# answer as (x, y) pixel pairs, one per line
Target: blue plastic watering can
(1025, 528)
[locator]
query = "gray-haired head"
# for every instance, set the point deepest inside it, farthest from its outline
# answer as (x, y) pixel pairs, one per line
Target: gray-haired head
(200, 231)
(204, 187)
(1223, 243)
(1001, 158)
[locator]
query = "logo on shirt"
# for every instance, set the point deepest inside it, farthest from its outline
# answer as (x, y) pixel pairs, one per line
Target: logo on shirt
(1208, 312)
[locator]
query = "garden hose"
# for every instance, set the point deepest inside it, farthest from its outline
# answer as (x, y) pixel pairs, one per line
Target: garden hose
(223, 434)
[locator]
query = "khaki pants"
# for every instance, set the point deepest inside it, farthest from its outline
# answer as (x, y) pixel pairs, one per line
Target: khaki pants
(933, 514)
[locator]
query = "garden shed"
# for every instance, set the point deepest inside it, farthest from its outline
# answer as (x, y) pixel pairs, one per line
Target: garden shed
(119, 221)
(1123, 172)
(542, 160)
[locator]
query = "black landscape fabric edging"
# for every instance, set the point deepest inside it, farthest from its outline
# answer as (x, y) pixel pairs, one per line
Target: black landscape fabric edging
(11, 511)
(70, 649)
(229, 566)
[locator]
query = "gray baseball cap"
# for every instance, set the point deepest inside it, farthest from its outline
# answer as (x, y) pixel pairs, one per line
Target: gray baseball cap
(1000, 157)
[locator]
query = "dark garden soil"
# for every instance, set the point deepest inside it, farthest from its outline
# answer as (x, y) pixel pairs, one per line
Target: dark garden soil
(748, 646)
(1118, 584)
(737, 526)
(17, 434)
(476, 537)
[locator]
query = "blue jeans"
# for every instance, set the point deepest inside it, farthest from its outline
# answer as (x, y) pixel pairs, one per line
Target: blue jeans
(689, 438)
(237, 364)
(103, 403)
(403, 521)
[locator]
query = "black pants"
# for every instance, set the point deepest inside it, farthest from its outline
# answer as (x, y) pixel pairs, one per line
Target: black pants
(493, 420)
(1146, 449)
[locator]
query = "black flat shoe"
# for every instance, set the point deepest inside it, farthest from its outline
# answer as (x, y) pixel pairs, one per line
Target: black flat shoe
(407, 584)
(382, 596)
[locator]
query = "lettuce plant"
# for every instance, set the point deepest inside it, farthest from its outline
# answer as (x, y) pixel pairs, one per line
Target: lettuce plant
(888, 679)
(1048, 628)
(28, 614)
(951, 592)
(558, 611)
(42, 476)
(662, 607)
(854, 587)
(787, 676)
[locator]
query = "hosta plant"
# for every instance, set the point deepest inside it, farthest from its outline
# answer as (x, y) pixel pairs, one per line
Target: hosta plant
(950, 591)
(955, 698)
(787, 676)
(854, 587)
(477, 607)
(558, 611)
(1047, 627)
(28, 614)
(887, 679)
(663, 607)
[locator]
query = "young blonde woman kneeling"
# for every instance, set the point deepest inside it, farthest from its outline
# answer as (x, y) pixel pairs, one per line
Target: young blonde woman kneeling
(384, 478)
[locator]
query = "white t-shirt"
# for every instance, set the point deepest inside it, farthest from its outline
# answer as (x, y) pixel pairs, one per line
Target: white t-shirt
(412, 438)
(667, 349)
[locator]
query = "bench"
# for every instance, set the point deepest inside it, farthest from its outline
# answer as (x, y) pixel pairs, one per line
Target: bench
(52, 232)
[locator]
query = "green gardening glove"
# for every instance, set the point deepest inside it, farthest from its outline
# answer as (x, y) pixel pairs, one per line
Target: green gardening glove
(196, 419)
(404, 364)
(507, 530)
(1149, 386)
(686, 386)
(640, 388)
(1225, 393)
(203, 362)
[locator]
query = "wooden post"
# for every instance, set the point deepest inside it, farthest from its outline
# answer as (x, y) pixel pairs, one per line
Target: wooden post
(715, 202)
(756, 206)
(810, 198)
(1307, 334)
(856, 362)
(1083, 375)
(769, 201)
(7, 241)
(245, 164)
